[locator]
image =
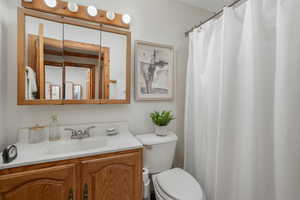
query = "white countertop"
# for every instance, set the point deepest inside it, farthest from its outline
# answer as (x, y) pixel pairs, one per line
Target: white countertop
(29, 154)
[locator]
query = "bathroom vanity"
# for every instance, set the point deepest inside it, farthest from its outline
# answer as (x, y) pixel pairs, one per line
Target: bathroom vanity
(101, 167)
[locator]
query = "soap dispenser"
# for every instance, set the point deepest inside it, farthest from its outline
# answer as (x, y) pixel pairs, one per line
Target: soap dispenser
(54, 130)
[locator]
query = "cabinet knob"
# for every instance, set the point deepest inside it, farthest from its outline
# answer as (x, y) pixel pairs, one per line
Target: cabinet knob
(71, 194)
(85, 192)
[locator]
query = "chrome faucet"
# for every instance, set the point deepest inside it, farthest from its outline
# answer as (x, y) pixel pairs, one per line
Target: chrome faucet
(80, 134)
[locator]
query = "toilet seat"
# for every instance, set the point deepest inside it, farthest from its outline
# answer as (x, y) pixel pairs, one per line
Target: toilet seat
(177, 184)
(160, 195)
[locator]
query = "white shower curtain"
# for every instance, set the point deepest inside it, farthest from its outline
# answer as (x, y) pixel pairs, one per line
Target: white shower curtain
(242, 120)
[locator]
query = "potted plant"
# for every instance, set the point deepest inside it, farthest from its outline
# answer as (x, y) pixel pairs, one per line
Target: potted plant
(161, 121)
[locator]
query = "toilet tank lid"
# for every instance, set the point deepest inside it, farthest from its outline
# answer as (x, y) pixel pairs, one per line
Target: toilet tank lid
(153, 139)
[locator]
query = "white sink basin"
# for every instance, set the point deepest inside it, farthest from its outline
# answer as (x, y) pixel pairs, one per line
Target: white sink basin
(75, 145)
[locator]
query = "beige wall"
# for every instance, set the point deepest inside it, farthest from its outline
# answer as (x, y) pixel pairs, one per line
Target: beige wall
(160, 21)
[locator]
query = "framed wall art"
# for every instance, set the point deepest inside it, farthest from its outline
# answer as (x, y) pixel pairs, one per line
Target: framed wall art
(154, 71)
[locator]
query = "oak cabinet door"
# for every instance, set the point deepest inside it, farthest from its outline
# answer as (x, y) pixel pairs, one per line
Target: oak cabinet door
(53, 183)
(113, 178)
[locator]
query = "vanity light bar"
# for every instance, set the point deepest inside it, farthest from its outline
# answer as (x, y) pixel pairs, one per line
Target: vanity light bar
(110, 15)
(126, 19)
(92, 11)
(71, 9)
(51, 3)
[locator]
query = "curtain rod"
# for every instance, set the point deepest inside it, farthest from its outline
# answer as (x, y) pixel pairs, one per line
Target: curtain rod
(212, 17)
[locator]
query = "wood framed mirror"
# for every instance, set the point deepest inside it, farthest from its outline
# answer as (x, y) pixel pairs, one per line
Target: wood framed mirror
(59, 55)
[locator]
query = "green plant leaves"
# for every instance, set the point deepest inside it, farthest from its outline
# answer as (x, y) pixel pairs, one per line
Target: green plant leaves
(161, 119)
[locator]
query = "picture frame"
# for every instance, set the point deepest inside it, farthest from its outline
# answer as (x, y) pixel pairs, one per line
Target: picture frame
(77, 91)
(154, 71)
(55, 92)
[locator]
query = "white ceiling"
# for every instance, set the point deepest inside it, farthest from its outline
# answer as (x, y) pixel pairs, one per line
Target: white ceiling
(211, 5)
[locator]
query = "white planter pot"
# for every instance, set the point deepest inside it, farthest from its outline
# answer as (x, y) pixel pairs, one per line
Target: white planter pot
(161, 130)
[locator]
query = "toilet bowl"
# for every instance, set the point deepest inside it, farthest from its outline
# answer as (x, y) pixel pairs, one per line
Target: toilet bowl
(169, 184)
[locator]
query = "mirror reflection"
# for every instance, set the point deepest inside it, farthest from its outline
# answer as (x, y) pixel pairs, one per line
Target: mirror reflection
(68, 62)
(53, 82)
(82, 47)
(117, 45)
(79, 76)
(44, 48)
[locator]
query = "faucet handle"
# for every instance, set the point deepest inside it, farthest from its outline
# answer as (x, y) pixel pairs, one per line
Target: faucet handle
(91, 127)
(87, 130)
(73, 131)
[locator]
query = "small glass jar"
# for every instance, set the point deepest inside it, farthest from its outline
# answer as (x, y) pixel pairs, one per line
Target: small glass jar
(37, 134)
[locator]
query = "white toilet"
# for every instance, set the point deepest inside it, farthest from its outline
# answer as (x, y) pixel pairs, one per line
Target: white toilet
(169, 184)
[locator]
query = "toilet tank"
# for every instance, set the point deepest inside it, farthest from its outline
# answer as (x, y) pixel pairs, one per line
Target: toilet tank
(159, 151)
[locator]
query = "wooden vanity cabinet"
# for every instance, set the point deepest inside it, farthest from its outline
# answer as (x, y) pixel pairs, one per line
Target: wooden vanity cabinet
(42, 184)
(113, 176)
